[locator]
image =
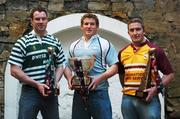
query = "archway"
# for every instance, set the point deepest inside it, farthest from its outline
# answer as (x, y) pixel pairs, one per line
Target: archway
(66, 28)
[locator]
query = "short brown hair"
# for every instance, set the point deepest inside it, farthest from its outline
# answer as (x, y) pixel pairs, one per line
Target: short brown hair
(90, 15)
(39, 9)
(136, 20)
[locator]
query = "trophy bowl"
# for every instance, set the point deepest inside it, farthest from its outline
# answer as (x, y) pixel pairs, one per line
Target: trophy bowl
(81, 66)
(87, 62)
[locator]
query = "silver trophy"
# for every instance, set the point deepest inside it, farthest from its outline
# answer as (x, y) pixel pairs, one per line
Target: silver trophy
(81, 67)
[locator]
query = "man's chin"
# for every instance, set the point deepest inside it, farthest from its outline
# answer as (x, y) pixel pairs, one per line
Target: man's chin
(89, 34)
(137, 40)
(42, 30)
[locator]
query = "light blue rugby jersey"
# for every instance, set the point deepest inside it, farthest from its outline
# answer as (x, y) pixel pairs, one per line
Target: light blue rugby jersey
(30, 53)
(103, 50)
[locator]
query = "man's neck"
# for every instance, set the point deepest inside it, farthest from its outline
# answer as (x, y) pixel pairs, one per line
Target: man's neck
(87, 38)
(41, 34)
(139, 44)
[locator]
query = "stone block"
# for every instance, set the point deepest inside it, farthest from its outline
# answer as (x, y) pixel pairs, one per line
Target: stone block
(173, 17)
(16, 29)
(2, 66)
(98, 6)
(1, 81)
(156, 26)
(2, 1)
(56, 6)
(1, 95)
(117, 6)
(2, 17)
(117, 0)
(119, 14)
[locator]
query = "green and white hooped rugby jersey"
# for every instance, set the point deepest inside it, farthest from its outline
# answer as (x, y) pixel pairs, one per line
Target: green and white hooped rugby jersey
(30, 53)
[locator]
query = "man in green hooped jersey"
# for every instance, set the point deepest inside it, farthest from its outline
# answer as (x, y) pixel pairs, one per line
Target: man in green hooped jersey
(29, 59)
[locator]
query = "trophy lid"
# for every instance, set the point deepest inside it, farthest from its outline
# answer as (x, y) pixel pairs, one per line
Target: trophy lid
(50, 50)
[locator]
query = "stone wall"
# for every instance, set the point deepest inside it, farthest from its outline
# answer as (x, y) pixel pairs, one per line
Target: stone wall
(161, 19)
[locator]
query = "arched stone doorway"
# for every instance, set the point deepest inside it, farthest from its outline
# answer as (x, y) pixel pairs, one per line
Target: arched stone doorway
(66, 28)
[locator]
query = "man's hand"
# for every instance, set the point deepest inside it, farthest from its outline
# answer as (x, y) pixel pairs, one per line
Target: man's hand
(151, 93)
(95, 82)
(70, 83)
(41, 88)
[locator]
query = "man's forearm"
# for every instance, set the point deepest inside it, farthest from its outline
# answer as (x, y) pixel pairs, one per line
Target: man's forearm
(21, 76)
(112, 70)
(68, 73)
(166, 79)
(59, 73)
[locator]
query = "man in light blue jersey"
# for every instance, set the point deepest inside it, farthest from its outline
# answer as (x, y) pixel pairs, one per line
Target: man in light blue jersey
(91, 44)
(37, 61)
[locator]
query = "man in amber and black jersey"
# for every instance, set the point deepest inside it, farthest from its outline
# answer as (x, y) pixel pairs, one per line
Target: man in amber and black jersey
(133, 62)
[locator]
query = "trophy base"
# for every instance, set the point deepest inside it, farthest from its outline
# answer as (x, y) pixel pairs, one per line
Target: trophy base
(51, 92)
(57, 91)
(77, 84)
(141, 94)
